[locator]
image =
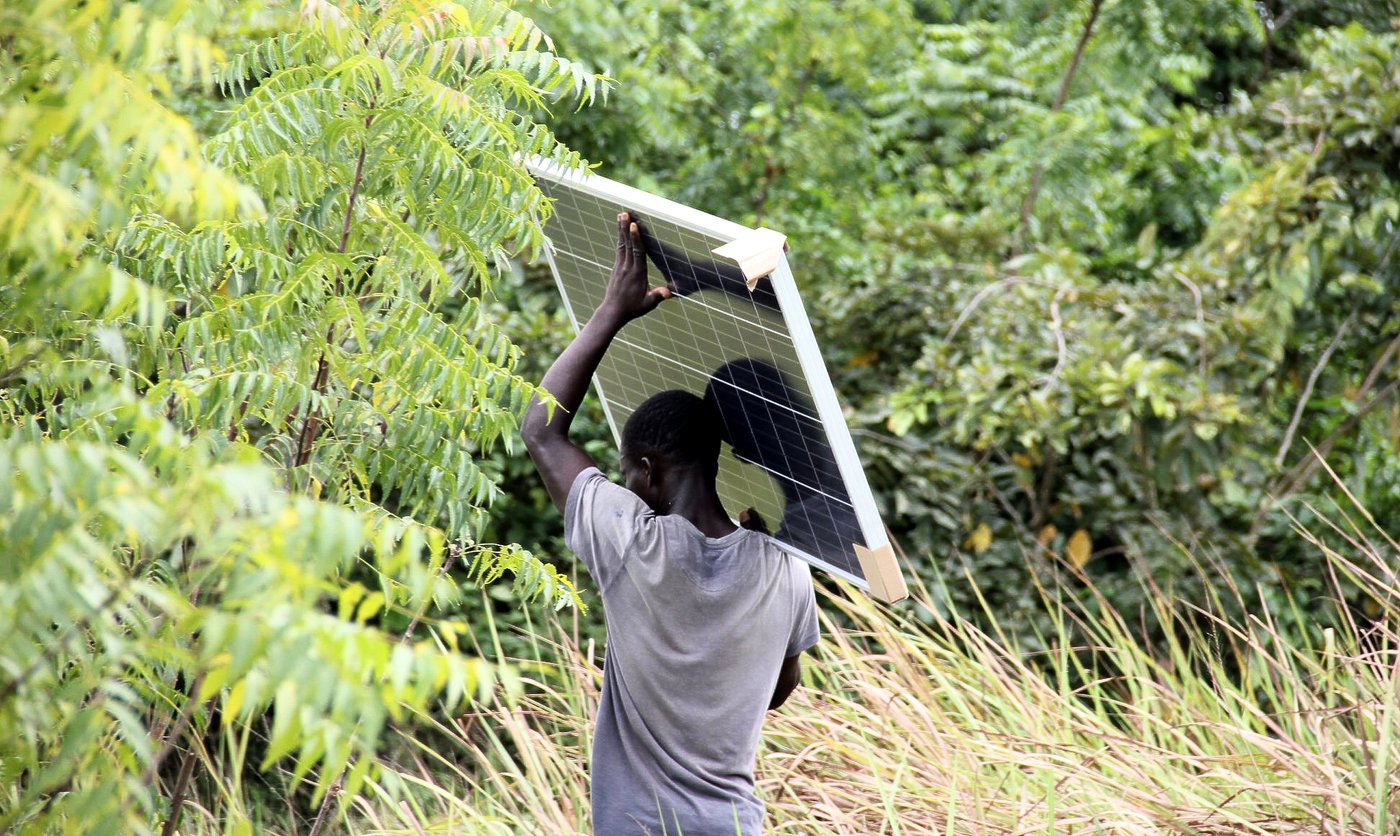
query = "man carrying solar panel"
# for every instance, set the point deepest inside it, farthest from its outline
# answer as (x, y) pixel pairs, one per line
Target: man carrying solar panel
(706, 620)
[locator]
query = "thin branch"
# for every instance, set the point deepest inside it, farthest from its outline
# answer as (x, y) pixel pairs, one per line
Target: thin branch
(13, 371)
(311, 425)
(1302, 472)
(1379, 367)
(1033, 194)
(1389, 251)
(454, 551)
(238, 422)
(902, 443)
(177, 798)
(1200, 320)
(1318, 145)
(989, 290)
(327, 803)
(1381, 364)
(172, 739)
(1061, 350)
(1308, 389)
(356, 182)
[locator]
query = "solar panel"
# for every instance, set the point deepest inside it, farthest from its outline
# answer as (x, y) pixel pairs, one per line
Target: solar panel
(747, 347)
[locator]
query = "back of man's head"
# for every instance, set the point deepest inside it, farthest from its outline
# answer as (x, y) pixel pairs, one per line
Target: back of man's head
(676, 426)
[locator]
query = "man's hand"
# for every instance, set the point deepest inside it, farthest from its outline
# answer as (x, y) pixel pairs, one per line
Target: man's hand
(753, 521)
(628, 295)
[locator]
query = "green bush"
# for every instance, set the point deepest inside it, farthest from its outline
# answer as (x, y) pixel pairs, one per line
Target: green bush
(1074, 339)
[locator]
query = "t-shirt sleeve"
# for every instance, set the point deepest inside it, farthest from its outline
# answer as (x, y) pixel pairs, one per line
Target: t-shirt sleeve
(805, 630)
(601, 520)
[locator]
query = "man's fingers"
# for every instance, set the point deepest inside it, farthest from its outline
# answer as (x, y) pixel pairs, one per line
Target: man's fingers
(628, 285)
(624, 242)
(753, 521)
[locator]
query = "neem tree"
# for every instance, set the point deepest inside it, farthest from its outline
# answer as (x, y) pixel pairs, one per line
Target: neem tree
(244, 381)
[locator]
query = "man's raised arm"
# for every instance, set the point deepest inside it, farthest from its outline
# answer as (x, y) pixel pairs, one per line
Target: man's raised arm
(628, 296)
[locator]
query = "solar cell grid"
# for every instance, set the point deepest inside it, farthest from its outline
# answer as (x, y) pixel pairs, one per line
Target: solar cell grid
(735, 347)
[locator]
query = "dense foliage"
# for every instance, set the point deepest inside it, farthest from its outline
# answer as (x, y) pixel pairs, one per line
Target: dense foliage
(248, 381)
(1095, 278)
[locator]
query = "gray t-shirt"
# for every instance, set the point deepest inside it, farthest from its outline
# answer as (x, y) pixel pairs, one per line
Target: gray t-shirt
(697, 631)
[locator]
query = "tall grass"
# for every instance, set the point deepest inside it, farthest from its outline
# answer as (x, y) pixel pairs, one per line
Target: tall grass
(911, 727)
(1174, 720)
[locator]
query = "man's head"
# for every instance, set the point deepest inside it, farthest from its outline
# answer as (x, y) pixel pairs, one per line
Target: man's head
(672, 436)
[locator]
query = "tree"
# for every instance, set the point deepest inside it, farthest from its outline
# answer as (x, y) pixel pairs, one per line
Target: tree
(1142, 388)
(247, 382)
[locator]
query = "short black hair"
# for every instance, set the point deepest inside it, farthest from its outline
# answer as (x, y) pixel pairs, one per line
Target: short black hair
(676, 425)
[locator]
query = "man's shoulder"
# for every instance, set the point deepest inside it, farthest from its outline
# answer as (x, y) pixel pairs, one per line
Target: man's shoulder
(595, 495)
(606, 525)
(782, 565)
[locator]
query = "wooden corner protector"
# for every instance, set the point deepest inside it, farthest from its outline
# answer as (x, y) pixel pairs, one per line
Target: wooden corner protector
(881, 570)
(757, 253)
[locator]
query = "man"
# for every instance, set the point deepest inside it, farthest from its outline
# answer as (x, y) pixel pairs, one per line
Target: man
(705, 620)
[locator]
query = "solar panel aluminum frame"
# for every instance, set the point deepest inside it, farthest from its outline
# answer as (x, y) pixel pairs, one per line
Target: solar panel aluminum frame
(883, 578)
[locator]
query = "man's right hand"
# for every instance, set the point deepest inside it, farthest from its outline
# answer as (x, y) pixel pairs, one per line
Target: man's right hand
(629, 295)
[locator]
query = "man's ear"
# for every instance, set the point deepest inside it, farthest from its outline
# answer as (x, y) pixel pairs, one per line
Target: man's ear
(651, 475)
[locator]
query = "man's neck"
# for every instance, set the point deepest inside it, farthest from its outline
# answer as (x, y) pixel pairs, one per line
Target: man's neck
(696, 500)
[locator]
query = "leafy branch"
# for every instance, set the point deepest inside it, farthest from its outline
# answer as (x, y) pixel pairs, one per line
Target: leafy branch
(1038, 172)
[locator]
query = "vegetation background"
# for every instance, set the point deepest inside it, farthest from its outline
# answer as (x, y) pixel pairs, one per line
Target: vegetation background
(1109, 289)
